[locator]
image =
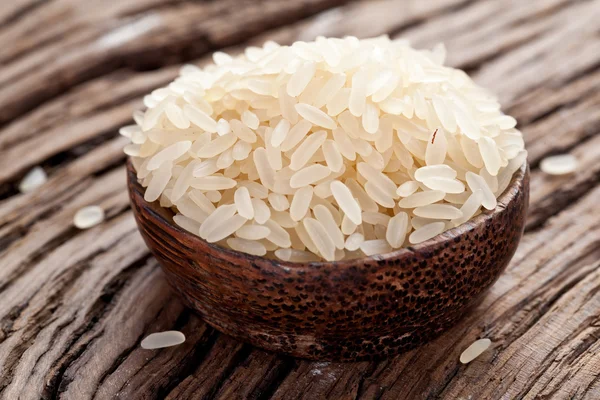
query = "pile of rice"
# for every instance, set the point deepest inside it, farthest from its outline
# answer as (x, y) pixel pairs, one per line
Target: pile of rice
(332, 149)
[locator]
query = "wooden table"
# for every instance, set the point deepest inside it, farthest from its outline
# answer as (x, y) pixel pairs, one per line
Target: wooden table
(74, 304)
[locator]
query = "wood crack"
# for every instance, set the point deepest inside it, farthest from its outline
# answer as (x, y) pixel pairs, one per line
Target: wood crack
(96, 313)
(197, 358)
(275, 379)
(40, 320)
(583, 346)
(364, 377)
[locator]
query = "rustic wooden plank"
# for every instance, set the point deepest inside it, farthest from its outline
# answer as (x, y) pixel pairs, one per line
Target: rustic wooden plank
(26, 33)
(562, 130)
(322, 380)
(544, 100)
(30, 311)
(79, 301)
(224, 356)
(21, 210)
(168, 35)
(68, 121)
(46, 233)
(487, 29)
(17, 9)
(552, 193)
(253, 376)
(62, 138)
(358, 18)
(100, 93)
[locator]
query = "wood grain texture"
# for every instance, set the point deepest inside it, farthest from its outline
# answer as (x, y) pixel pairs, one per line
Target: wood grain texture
(75, 304)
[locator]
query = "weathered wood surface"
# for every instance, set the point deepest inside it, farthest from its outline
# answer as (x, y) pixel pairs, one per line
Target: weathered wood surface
(75, 304)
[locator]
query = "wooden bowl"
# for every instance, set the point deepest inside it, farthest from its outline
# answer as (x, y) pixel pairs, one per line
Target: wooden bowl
(349, 310)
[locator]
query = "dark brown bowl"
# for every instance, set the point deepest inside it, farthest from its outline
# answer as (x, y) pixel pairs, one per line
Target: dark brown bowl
(349, 310)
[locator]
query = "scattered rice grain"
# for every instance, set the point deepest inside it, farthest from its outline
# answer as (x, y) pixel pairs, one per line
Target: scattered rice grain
(88, 217)
(161, 340)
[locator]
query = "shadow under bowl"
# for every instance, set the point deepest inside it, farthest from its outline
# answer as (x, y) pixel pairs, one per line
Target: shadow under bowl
(348, 310)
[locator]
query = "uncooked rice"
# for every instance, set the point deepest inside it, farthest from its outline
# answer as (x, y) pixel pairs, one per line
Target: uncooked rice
(161, 340)
(559, 164)
(332, 149)
(474, 350)
(88, 217)
(32, 180)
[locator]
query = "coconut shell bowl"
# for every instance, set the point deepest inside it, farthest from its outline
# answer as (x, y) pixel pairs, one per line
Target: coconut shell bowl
(349, 310)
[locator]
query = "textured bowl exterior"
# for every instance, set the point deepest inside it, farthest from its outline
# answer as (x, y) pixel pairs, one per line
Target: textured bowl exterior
(351, 310)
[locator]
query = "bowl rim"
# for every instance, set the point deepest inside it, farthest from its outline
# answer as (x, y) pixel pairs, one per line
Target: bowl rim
(509, 195)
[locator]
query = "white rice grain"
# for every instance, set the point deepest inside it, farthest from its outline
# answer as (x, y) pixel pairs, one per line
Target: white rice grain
(278, 235)
(301, 202)
(354, 241)
(309, 175)
(559, 164)
(445, 185)
(88, 217)
(253, 232)
(346, 201)
(213, 183)
(199, 118)
(397, 229)
(186, 223)
(216, 219)
(333, 157)
(293, 255)
(176, 116)
(320, 238)
(262, 212)
(158, 182)
(474, 350)
(226, 228)
(300, 79)
(315, 116)
(358, 93)
(426, 232)
(376, 246)
(243, 202)
(169, 153)
(324, 216)
(407, 188)
(35, 178)
(438, 211)
(475, 183)
(247, 246)
(161, 340)
(307, 149)
(470, 207)
(295, 135)
(330, 89)
(434, 171)
(280, 132)
(490, 155)
(421, 199)
(250, 119)
(217, 146)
